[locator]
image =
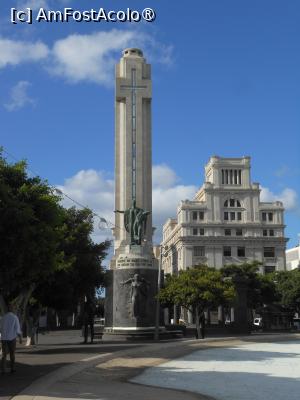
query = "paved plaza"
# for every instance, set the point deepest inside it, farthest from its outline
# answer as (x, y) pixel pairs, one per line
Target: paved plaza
(258, 371)
(249, 367)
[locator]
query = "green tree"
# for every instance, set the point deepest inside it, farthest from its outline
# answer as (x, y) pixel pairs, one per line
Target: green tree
(30, 234)
(260, 288)
(288, 288)
(196, 289)
(84, 272)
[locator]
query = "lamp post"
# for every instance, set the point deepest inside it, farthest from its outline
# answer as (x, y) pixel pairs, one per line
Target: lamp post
(157, 313)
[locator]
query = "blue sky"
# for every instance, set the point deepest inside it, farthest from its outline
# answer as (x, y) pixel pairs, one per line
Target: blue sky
(226, 81)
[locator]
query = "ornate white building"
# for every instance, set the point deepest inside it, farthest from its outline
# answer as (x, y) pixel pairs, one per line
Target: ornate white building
(293, 258)
(226, 223)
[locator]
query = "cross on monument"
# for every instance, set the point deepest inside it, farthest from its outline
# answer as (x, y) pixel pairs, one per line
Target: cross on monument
(133, 86)
(133, 161)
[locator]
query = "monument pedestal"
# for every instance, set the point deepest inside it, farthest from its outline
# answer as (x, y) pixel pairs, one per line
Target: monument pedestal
(130, 296)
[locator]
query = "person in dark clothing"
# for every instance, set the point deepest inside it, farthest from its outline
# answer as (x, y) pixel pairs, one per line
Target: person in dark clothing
(202, 325)
(88, 320)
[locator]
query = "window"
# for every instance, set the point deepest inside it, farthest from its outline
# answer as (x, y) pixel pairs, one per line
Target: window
(194, 215)
(270, 216)
(232, 216)
(239, 232)
(241, 252)
(267, 216)
(227, 251)
(269, 269)
(199, 251)
(269, 252)
(265, 232)
(271, 232)
(195, 231)
(231, 177)
(201, 230)
(201, 215)
(227, 232)
(232, 203)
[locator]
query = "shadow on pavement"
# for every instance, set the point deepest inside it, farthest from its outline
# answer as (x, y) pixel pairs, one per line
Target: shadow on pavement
(12, 384)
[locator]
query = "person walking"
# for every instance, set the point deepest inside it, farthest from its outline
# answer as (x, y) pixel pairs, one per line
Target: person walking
(88, 320)
(10, 329)
(202, 325)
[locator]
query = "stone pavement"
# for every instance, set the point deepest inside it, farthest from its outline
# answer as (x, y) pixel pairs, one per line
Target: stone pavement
(264, 370)
(104, 375)
(55, 350)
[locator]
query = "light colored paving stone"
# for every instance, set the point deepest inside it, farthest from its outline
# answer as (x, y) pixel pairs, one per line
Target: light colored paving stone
(259, 371)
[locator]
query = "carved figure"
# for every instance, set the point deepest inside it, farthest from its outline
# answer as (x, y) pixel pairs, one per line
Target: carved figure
(138, 294)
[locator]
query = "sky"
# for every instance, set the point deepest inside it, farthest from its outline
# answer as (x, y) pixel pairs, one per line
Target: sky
(226, 81)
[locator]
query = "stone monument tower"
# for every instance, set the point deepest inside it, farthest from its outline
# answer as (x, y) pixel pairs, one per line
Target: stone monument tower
(132, 282)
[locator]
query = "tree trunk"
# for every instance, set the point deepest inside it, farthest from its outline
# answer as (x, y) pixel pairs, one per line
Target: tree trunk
(3, 306)
(21, 303)
(197, 315)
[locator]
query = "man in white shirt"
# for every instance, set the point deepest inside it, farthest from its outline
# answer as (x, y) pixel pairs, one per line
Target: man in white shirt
(10, 329)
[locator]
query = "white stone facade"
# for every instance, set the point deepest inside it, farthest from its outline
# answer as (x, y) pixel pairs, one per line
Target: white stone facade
(293, 258)
(226, 223)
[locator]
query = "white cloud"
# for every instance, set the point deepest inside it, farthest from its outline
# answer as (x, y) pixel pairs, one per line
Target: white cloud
(13, 52)
(163, 176)
(33, 4)
(37, 4)
(89, 58)
(289, 197)
(19, 97)
(165, 203)
(93, 189)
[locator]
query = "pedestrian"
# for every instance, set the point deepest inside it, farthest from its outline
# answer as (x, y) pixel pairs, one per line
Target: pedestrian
(88, 320)
(29, 327)
(10, 329)
(202, 325)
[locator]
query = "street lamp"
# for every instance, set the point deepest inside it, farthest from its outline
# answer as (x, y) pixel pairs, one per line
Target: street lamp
(157, 313)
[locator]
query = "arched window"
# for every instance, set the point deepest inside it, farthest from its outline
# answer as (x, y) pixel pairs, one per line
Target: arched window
(232, 203)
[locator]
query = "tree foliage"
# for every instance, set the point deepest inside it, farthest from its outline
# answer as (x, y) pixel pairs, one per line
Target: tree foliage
(288, 288)
(260, 288)
(84, 272)
(196, 289)
(44, 247)
(30, 235)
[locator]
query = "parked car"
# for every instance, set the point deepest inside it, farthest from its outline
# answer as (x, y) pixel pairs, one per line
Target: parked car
(257, 322)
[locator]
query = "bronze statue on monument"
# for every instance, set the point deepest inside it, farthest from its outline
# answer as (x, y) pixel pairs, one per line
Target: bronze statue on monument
(135, 222)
